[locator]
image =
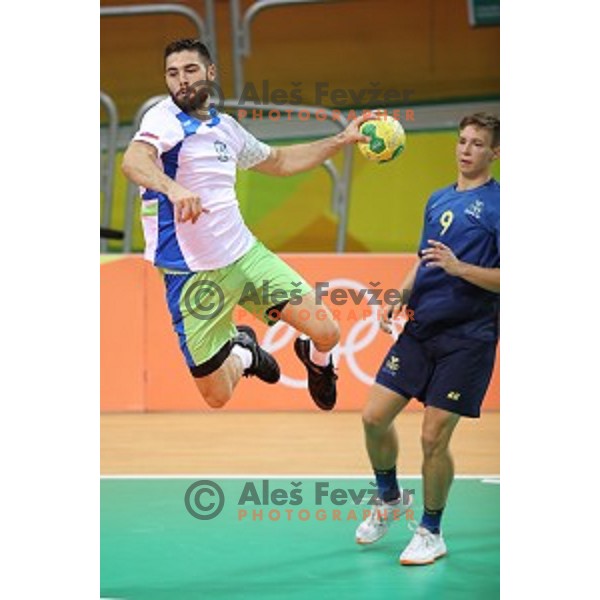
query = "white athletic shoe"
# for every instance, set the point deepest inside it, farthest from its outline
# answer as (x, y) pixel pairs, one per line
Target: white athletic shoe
(424, 548)
(376, 525)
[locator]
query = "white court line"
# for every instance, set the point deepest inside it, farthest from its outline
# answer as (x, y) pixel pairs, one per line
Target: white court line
(491, 480)
(488, 477)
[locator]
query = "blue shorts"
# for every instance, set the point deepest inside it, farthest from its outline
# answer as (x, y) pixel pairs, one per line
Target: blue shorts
(442, 371)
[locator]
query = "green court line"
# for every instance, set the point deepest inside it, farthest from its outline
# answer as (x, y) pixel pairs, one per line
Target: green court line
(153, 549)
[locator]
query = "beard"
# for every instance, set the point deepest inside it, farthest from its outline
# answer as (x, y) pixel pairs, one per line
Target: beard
(193, 99)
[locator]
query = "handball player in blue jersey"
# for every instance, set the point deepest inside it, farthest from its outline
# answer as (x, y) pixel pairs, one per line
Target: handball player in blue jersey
(445, 355)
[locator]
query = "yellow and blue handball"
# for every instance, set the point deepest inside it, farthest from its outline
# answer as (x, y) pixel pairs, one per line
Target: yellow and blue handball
(388, 138)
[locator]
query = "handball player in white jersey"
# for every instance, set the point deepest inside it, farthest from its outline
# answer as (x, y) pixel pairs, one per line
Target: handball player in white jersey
(184, 157)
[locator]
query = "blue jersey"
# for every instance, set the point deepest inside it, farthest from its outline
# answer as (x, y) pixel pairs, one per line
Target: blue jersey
(468, 222)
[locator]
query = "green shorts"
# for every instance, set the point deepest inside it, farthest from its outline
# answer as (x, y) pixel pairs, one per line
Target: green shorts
(202, 303)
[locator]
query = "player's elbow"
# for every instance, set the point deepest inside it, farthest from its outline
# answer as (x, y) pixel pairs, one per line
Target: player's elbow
(285, 172)
(128, 163)
(280, 164)
(285, 167)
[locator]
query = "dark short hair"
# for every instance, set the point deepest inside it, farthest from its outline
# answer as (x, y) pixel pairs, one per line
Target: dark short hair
(188, 44)
(485, 121)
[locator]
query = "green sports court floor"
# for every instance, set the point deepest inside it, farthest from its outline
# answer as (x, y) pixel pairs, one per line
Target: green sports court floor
(152, 548)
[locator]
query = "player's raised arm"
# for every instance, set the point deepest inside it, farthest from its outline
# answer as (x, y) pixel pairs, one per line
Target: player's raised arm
(290, 160)
(140, 166)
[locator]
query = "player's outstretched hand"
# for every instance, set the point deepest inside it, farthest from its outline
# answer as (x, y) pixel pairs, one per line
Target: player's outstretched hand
(352, 133)
(187, 205)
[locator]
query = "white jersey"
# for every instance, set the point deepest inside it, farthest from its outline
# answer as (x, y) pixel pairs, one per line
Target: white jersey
(203, 157)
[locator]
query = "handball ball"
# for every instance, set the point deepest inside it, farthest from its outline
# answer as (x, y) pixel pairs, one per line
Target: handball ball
(387, 138)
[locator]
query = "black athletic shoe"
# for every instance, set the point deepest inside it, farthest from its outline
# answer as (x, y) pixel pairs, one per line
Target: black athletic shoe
(321, 380)
(264, 366)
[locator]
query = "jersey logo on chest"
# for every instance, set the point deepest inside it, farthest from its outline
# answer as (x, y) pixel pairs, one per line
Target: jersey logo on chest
(475, 209)
(222, 151)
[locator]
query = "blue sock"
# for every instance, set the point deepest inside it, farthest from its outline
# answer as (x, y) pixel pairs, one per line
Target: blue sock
(431, 519)
(387, 484)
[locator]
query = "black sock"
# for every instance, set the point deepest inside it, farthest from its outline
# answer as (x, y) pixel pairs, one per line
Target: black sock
(431, 519)
(387, 484)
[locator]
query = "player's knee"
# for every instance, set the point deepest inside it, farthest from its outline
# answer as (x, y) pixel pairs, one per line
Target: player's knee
(216, 399)
(327, 335)
(373, 422)
(433, 442)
